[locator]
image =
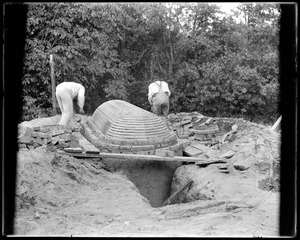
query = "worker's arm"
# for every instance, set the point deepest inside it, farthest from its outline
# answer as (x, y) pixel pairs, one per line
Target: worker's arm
(166, 89)
(150, 94)
(81, 99)
(150, 100)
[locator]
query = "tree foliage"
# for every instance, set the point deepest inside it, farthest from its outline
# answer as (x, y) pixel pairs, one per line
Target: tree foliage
(214, 64)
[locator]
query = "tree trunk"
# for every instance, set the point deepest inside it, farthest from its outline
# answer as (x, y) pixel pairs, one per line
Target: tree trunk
(194, 25)
(171, 60)
(54, 112)
(152, 67)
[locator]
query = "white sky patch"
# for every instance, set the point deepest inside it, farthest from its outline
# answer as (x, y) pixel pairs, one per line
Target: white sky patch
(227, 7)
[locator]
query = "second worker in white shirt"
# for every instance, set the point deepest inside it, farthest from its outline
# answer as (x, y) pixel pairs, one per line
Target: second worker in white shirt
(158, 96)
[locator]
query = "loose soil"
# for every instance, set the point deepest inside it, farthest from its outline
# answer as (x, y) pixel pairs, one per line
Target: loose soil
(59, 195)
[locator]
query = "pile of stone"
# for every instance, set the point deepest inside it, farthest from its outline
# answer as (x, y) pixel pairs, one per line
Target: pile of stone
(206, 131)
(203, 130)
(194, 126)
(51, 135)
(182, 123)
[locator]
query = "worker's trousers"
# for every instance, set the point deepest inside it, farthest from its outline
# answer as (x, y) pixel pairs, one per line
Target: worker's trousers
(160, 105)
(65, 103)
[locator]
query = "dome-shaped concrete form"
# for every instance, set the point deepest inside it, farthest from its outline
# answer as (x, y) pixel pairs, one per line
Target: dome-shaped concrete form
(118, 126)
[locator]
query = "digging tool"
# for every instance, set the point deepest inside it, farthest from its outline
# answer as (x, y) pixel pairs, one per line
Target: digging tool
(177, 192)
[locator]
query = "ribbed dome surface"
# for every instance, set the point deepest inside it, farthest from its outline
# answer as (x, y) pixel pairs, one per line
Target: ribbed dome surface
(122, 122)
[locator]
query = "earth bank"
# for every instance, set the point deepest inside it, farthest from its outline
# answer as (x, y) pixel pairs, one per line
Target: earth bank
(62, 195)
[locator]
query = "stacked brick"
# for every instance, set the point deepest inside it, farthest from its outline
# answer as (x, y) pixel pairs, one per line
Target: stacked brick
(54, 135)
(206, 132)
(182, 127)
(109, 144)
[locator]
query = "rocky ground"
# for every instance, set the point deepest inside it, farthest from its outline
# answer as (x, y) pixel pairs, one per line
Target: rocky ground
(63, 195)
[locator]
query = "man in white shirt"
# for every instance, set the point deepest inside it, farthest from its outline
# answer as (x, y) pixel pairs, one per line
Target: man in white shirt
(158, 96)
(66, 92)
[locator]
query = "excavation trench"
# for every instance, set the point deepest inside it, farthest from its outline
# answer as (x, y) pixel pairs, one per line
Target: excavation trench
(117, 126)
(152, 178)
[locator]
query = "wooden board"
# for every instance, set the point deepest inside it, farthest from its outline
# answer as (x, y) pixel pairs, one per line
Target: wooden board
(79, 155)
(196, 160)
(85, 144)
(277, 125)
(122, 156)
(72, 150)
(177, 192)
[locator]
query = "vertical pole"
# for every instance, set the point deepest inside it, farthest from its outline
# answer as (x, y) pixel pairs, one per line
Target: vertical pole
(53, 86)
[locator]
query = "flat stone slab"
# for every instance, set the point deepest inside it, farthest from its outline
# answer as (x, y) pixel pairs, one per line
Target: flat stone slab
(192, 151)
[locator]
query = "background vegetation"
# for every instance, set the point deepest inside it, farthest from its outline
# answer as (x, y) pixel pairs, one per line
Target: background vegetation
(215, 64)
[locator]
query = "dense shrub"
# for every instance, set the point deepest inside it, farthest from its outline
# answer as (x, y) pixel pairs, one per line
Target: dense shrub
(215, 65)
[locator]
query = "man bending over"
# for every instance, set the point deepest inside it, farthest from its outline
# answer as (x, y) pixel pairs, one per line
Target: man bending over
(65, 93)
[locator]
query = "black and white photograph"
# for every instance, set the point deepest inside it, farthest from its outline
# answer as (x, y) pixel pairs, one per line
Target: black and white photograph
(149, 119)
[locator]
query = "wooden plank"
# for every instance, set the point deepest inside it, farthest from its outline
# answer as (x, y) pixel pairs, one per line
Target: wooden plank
(73, 150)
(85, 144)
(176, 193)
(164, 153)
(121, 156)
(79, 155)
(198, 161)
(53, 85)
(277, 125)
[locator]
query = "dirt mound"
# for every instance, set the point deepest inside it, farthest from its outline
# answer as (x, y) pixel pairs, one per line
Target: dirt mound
(253, 165)
(62, 195)
(68, 187)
